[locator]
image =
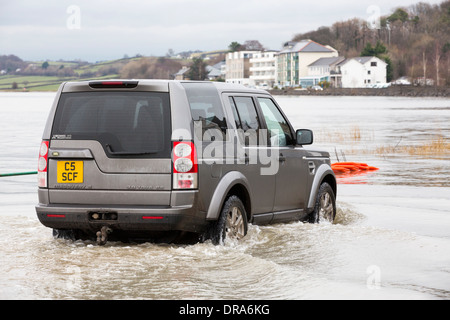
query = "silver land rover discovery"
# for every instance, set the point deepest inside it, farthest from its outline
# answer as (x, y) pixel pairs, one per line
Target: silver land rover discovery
(158, 160)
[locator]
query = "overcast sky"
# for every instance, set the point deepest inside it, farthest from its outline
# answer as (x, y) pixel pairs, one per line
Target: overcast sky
(97, 30)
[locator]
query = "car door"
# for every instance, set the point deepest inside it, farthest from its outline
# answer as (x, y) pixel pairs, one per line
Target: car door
(291, 177)
(248, 125)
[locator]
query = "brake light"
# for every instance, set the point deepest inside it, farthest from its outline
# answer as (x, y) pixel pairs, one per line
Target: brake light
(113, 84)
(42, 164)
(185, 165)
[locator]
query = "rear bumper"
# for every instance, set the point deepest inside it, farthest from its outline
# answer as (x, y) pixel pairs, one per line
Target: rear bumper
(126, 219)
(182, 214)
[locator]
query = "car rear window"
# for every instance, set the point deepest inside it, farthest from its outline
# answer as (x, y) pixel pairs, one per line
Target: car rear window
(127, 124)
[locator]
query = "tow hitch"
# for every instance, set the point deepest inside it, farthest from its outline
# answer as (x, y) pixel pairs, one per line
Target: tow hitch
(102, 235)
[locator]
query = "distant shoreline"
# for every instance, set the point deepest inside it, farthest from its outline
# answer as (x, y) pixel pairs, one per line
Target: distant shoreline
(393, 91)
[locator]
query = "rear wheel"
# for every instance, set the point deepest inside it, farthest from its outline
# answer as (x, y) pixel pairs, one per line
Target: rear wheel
(232, 222)
(67, 234)
(325, 207)
(72, 234)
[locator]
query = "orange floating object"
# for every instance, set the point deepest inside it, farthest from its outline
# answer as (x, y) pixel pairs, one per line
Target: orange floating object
(346, 167)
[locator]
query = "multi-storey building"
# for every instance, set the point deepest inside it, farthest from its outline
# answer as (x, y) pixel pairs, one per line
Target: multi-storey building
(295, 57)
(263, 69)
(238, 66)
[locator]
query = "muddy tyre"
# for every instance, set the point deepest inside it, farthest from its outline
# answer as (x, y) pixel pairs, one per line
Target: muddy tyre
(325, 206)
(232, 222)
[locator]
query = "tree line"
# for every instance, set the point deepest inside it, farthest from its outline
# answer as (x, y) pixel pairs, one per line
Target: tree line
(11, 64)
(416, 40)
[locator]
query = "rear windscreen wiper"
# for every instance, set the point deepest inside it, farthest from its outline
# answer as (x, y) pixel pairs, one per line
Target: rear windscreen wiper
(127, 153)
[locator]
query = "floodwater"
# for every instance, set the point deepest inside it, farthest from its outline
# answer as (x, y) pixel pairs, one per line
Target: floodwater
(391, 239)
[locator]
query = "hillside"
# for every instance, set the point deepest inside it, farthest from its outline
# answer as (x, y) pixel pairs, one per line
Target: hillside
(417, 39)
(47, 75)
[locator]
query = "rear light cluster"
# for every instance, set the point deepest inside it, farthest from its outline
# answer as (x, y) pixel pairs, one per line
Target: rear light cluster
(185, 165)
(42, 164)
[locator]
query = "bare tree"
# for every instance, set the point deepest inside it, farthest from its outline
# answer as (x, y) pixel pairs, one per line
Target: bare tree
(253, 45)
(437, 59)
(424, 61)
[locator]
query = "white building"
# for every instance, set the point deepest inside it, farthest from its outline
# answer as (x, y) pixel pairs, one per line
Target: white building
(362, 72)
(323, 69)
(238, 67)
(263, 69)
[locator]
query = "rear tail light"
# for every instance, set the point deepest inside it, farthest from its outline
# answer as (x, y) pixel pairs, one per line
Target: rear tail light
(42, 164)
(185, 165)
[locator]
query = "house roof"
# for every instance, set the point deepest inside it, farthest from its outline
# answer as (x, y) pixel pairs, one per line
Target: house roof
(182, 71)
(361, 60)
(326, 61)
(219, 65)
(213, 71)
(304, 46)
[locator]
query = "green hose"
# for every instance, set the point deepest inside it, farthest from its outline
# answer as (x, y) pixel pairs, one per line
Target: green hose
(17, 174)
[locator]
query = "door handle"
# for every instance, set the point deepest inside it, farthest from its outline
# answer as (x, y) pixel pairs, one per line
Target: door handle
(246, 159)
(312, 167)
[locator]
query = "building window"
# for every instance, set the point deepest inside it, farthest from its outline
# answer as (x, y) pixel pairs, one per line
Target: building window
(373, 64)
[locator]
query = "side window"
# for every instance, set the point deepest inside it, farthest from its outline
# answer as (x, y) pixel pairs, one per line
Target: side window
(279, 132)
(246, 119)
(206, 109)
(237, 120)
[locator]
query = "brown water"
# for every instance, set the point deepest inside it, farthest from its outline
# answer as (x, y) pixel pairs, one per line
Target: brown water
(391, 239)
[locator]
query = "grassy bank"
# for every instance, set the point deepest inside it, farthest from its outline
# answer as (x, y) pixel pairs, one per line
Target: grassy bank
(38, 83)
(434, 147)
(362, 142)
(393, 91)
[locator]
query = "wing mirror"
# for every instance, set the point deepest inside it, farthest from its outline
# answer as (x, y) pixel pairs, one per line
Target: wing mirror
(304, 136)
